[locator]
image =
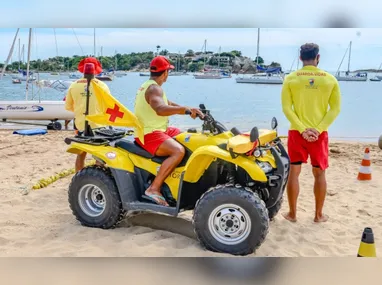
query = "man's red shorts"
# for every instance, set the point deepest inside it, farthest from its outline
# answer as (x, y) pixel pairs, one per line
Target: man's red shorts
(299, 149)
(155, 139)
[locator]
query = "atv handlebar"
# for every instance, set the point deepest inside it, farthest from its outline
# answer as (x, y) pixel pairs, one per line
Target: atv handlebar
(188, 112)
(209, 123)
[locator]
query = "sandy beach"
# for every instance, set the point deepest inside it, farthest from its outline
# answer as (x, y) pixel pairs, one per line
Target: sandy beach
(40, 223)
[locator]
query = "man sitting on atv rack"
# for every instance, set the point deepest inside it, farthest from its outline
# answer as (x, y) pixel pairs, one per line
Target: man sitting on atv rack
(152, 109)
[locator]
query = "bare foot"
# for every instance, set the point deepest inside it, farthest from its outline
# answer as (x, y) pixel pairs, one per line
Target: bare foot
(289, 217)
(321, 219)
(157, 196)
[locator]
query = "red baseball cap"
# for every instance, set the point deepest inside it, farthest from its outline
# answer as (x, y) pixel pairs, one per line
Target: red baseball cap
(97, 64)
(160, 63)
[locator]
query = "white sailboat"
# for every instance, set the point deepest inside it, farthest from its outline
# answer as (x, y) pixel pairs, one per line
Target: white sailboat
(33, 110)
(262, 78)
(177, 72)
(359, 77)
(207, 74)
(115, 72)
(21, 76)
(377, 77)
(75, 75)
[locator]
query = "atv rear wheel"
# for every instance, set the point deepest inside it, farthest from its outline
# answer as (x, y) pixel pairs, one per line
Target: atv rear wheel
(94, 198)
(231, 219)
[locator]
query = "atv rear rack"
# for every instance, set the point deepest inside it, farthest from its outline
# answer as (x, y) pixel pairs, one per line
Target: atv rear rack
(103, 136)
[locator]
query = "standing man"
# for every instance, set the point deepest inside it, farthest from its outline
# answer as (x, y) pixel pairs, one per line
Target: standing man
(306, 95)
(153, 109)
(76, 102)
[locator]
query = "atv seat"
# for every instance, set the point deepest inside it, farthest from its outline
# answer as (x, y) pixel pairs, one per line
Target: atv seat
(135, 148)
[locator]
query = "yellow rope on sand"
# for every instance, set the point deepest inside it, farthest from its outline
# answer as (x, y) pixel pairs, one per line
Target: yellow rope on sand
(46, 181)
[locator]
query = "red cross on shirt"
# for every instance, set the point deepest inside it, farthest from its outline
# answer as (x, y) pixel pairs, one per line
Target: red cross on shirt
(114, 113)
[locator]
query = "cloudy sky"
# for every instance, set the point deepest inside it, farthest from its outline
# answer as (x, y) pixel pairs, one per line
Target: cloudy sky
(279, 45)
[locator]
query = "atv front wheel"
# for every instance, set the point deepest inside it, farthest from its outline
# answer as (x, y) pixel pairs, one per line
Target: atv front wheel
(231, 220)
(94, 198)
(273, 211)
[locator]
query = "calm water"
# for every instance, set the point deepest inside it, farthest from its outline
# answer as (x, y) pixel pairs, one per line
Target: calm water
(234, 104)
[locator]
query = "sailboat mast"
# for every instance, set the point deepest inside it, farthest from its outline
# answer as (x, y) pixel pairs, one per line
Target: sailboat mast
(298, 62)
(55, 39)
(178, 61)
(349, 57)
(19, 55)
(205, 53)
(258, 47)
(220, 48)
(94, 43)
(10, 54)
(29, 55)
(101, 55)
(115, 67)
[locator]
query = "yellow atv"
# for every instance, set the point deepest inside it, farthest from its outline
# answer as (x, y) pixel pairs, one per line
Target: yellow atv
(233, 182)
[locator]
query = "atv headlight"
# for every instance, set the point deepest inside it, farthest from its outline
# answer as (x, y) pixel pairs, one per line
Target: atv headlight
(265, 166)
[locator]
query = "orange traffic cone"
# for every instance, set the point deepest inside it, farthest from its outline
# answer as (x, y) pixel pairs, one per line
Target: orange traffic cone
(365, 169)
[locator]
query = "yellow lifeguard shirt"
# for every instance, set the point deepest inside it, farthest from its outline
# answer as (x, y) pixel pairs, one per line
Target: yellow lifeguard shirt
(145, 113)
(306, 95)
(76, 101)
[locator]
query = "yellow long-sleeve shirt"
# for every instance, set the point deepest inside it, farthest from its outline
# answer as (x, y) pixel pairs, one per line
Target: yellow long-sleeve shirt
(306, 95)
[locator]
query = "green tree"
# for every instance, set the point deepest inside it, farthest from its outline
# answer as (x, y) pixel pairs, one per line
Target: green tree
(193, 66)
(227, 54)
(274, 64)
(163, 52)
(236, 53)
(190, 52)
(213, 61)
(261, 60)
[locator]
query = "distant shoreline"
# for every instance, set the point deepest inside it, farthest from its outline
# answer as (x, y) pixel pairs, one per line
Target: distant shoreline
(368, 70)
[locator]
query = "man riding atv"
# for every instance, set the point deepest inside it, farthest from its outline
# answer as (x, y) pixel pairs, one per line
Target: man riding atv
(152, 109)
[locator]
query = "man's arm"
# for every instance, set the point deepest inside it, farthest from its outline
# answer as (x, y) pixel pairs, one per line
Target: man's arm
(335, 108)
(69, 103)
(173, 104)
(154, 96)
(287, 103)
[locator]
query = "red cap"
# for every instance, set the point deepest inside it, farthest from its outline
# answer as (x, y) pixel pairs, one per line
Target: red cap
(160, 63)
(97, 64)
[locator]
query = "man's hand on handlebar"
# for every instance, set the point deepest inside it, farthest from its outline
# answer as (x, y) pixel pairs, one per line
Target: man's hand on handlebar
(194, 112)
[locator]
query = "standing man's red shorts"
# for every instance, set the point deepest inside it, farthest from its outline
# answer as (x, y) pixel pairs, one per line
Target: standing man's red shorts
(155, 139)
(299, 149)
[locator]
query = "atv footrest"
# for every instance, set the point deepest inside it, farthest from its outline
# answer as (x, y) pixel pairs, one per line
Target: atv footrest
(141, 206)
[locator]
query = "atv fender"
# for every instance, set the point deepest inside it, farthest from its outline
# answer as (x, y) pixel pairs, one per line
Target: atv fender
(113, 157)
(201, 159)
